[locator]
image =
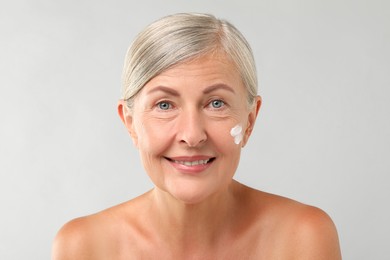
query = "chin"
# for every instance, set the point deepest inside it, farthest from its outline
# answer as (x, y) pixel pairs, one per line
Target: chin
(190, 193)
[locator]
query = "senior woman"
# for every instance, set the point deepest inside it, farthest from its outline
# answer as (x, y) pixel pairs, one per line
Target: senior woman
(190, 104)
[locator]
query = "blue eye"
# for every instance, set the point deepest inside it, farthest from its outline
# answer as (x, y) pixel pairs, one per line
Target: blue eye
(163, 105)
(217, 103)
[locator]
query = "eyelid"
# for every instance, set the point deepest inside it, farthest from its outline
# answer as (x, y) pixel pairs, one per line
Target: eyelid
(172, 106)
(224, 104)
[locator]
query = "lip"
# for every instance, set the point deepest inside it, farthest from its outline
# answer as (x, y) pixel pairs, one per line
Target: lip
(191, 164)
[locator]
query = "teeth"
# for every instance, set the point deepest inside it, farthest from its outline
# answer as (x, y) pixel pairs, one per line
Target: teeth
(193, 163)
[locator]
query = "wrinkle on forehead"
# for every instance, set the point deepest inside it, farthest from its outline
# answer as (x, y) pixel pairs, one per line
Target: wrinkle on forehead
(213, 67)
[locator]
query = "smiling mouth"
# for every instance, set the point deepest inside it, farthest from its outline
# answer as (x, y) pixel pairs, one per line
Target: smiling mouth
(193, 162)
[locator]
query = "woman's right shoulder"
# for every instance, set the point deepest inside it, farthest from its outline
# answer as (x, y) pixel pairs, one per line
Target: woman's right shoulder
(73, 240)
(93, 236)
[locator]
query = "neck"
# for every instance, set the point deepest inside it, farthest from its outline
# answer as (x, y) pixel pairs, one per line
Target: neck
(194, 225)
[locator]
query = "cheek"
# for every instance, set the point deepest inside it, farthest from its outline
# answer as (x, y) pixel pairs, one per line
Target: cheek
(221, 136)
(154, 136)
(236, 133)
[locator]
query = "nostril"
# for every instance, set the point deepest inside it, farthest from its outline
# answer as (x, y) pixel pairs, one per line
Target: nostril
(194, 143)
(191, 129)
(193, 139)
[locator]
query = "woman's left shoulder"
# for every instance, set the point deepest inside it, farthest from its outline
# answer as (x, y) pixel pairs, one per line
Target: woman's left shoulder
(308, 231)
(301, 231)
(313, 234)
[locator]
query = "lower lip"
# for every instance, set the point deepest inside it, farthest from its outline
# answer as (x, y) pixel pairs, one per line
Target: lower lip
(195, 169)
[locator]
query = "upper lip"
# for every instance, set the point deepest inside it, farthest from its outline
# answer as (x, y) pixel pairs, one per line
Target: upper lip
(190, 158)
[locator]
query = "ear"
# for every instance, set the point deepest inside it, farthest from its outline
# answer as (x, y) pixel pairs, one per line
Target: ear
(127, 119)
(251, 120)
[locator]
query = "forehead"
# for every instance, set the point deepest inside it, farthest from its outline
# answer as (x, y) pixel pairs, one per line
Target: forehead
(211, 68)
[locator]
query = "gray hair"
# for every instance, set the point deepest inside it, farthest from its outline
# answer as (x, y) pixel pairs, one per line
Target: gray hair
(181, 37)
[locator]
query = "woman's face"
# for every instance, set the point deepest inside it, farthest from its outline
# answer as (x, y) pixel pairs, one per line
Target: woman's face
(181, 124)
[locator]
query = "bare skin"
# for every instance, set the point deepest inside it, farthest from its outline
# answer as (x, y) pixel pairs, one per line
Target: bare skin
(181, 126)
(251, 225)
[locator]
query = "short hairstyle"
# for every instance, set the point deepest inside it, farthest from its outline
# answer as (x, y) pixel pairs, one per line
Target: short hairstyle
(177, 38)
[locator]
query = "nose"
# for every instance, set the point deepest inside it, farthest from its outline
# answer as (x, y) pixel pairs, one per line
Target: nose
(191, 129)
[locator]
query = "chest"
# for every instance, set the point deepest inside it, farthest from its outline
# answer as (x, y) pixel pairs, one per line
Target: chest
(249, 246)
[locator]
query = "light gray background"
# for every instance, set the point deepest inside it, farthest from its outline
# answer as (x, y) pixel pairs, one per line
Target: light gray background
(322, 136)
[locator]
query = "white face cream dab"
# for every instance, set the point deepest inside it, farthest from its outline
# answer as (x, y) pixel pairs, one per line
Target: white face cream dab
(236, 133)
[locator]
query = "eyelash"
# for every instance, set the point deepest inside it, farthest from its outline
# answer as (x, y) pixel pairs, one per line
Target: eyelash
(209, 105)
(222, 103)
(158, 105)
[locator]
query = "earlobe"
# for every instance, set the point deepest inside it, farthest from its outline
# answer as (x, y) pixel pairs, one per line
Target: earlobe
(127, 120)
(252, 119)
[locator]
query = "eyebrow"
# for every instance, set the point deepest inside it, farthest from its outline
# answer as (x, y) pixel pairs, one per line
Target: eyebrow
(164, 89)
(218, 86)
(208, 90)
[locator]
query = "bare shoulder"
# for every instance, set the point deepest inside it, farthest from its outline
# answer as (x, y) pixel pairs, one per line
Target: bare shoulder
(302, 231)
(312, 234)
(97, 236)
(73, 240)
